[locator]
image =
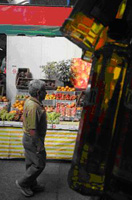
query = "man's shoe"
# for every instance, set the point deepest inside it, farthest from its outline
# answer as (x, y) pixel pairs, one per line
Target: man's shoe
(26, 191)
(37, 188)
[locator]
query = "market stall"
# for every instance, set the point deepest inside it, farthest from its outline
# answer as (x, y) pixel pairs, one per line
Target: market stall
(63, 113)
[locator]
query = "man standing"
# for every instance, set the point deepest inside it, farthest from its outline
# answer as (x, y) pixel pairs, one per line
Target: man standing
(34, 127)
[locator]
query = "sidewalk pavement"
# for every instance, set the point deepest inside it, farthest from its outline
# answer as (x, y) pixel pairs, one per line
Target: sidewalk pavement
(54, 177)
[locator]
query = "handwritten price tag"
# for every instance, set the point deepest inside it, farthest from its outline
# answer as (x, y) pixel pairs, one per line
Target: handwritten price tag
(1, 123)
(54, 126)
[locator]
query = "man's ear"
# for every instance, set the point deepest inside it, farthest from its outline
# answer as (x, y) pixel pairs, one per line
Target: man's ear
(38, 92)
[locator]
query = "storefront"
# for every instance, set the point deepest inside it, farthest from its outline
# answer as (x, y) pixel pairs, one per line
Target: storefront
(31, 52)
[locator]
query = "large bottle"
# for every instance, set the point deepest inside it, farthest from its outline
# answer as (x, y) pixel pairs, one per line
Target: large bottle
(87, 23)
(98, 120)
(118, 179)
(118, 183)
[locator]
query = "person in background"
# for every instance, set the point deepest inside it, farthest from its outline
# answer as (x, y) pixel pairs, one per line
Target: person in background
(3, 66)
(34, 127)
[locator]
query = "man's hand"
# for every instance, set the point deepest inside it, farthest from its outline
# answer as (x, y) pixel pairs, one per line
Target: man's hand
(36, 140)
(32, 132)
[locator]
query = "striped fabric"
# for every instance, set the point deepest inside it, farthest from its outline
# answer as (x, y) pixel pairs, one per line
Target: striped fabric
(59, 143)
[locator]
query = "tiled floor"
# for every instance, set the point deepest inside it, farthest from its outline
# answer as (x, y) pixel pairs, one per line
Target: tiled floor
(54, 177)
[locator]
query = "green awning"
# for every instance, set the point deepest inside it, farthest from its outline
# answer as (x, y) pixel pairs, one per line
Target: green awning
(30, 30)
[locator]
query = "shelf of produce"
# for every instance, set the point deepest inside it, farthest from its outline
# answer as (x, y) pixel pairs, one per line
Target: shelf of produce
(59, 142)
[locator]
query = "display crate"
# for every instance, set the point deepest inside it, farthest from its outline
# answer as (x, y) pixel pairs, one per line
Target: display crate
(49, 102)
(22, 83)
(65, 101)
(66, 92)
(49, 84)
(22, 75)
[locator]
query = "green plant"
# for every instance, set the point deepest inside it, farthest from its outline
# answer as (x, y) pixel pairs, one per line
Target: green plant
(49, 69)
(63, 70)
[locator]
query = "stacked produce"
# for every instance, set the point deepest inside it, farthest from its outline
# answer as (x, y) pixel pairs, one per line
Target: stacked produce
(21, 96)
(11, 116)
(66, 88)
(49, 108)
(50, 96)
(62, 108)
(66, 110)
(62, 96)
(16, 114)
(4, 103)
(4, 99)
(18, 105)
(17, 108)
(53, 117)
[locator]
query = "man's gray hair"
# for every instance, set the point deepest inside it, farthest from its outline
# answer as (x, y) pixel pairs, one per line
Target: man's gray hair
(35, 86)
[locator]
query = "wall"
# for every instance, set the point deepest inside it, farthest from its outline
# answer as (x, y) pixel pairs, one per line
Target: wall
(32, 52)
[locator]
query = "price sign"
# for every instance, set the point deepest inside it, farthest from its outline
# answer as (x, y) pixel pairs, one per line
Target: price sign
(1, 123)
(54, 126)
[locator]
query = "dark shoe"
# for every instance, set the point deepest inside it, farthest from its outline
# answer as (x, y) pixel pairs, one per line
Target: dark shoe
(26, 191)
(38, 188)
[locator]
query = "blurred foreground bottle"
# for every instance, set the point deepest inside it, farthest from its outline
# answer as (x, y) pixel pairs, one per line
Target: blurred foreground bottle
(90, 164)
(87, 23)
(119, 180)
(98, 120)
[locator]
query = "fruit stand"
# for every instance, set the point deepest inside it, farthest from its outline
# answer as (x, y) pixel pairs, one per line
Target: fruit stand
(63, 121)
(63, 114)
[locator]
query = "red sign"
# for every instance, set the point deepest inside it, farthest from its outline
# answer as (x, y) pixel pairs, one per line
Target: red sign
(14, 71)
(33, 15)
